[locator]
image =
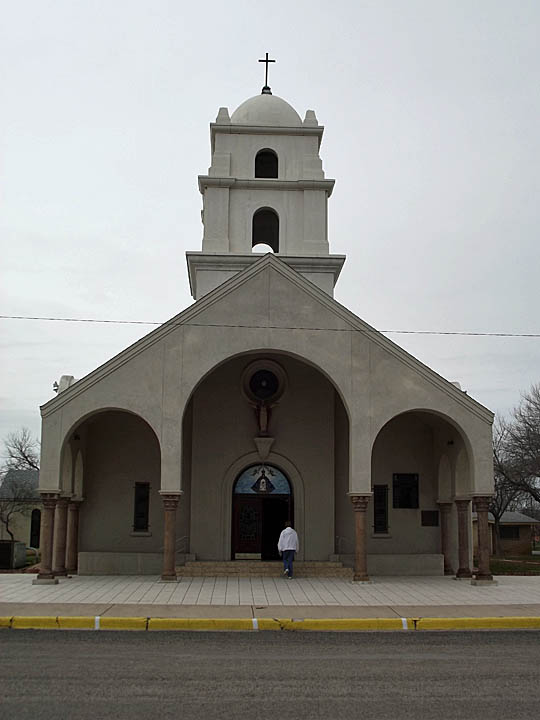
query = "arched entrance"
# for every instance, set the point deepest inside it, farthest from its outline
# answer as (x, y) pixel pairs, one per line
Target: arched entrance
(262, 502)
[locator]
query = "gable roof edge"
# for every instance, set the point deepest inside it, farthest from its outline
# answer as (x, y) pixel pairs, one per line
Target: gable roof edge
(183, 318)
(151, 338)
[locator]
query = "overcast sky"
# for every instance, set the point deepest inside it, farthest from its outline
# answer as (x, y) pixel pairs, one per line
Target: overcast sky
(432, 116)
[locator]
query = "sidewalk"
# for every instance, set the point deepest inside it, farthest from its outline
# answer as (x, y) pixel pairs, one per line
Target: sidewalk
(247, 598)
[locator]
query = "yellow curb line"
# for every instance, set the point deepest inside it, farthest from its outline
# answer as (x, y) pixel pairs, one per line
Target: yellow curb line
(323, 624)
(483, 623)
(229, 624)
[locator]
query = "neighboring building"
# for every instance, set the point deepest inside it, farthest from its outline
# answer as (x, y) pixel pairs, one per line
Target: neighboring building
(517, 533)
(264, 400)
(26, 525)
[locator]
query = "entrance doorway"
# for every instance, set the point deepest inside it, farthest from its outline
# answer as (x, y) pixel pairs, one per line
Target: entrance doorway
(262, 502)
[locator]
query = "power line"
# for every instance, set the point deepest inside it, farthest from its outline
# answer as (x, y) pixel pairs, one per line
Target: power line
(280, 327)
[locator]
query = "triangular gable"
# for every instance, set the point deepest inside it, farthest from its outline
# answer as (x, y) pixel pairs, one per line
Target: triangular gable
(313, 309)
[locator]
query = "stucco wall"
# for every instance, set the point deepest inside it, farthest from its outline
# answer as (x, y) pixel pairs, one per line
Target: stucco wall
(223, 429)
(267, 311)
(120, 451)
(406, 446)
(228, 212)
(344, 518)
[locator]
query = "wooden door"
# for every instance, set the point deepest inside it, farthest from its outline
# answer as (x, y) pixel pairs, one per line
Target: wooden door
(247, 526)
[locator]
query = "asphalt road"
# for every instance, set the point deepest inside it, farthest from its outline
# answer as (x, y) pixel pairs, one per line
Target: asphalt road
(79, 675)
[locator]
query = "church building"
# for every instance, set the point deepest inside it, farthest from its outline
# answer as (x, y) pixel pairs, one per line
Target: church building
(264, 401)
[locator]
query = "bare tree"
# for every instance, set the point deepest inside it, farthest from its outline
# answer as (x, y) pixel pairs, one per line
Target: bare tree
(508, 490)
(18, 477)
(21, 451)
(16, 494)
(523, 443)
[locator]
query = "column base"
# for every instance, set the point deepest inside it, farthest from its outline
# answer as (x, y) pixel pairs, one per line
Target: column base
(483, 580)
(45, 580)
(463, 573)
(361, 579)
(168, 578)
(60, 573)
(448, 571)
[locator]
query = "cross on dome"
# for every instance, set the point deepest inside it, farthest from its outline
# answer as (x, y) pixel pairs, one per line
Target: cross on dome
(266, 89)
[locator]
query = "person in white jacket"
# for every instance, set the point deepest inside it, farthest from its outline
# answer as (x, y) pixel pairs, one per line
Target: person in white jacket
(287, 546)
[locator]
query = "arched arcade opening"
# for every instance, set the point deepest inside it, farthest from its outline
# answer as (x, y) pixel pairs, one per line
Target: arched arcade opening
(113, 511)
(265, 439)
(420, 464)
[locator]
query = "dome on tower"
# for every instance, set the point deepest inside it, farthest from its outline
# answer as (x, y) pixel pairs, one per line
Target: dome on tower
(268, 110)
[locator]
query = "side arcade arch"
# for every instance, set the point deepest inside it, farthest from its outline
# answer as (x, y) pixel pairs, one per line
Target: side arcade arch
(449, 440)
(117, 462)
(419, 463)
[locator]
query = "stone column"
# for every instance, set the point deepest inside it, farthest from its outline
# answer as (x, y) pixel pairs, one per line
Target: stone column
(72, 536)
(464, 570)
(481, 505)
(60, 530)
(45, 574)
(170, 503)
(444, 510)
(360, 503)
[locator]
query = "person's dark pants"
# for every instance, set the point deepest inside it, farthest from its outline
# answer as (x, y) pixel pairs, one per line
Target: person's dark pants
(288, 557)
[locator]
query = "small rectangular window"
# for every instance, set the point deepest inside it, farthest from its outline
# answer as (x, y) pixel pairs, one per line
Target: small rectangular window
(405, 490)
(380, 509)
(430, 518)
(509, 532)
(141, 507)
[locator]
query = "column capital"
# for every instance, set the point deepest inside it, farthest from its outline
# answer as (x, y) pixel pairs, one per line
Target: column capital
(481, 502)
(62, 500)
(445, 506)
(49, 499)
(170, 499)
(359, 502)
(462, 503)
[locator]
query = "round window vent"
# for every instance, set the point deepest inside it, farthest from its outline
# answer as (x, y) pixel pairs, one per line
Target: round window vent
(263, 381)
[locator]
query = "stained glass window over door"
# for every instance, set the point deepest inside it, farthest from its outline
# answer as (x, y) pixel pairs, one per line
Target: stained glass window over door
(262, 480)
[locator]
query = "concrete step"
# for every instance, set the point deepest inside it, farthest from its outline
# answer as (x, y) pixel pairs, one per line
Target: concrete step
(250, 568)
(261, 563)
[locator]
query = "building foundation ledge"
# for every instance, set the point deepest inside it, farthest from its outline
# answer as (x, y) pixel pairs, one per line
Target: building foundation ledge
(45, 581)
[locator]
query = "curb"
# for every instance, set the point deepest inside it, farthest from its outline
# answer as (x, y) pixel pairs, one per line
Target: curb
(19, 622)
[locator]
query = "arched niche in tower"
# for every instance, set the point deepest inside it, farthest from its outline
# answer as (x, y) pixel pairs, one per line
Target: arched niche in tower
(266, 229)
(266, 164)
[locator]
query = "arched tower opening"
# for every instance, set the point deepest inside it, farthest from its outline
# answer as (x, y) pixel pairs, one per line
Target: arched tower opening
(265, 229)
(266, 164)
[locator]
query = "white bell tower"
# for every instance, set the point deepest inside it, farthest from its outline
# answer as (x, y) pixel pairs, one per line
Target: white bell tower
(265, 187)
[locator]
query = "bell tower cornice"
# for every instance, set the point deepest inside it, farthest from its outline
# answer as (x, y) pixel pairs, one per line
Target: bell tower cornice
(207, 181)
(229, 128)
